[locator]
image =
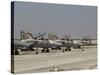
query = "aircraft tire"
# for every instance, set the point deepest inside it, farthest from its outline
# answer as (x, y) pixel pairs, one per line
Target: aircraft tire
(37, 53)
(69, 49)
(63, 50)
(16, 52)
(66, 49)
(47, 51)
(43, 51)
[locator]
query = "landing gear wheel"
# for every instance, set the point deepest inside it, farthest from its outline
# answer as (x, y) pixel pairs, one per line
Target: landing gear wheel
(66, 49)
(33, 49)
(16, 52)
(36, 52)
(69, 49)
(47, 51)
(43, 51)
(63, 50)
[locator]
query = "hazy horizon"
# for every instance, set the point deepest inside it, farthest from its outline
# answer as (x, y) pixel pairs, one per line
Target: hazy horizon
(79, 21)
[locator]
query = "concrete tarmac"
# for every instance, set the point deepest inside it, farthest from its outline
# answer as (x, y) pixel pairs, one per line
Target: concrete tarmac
(64, 61)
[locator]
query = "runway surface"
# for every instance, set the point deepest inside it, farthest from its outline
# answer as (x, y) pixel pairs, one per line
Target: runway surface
(46, 62)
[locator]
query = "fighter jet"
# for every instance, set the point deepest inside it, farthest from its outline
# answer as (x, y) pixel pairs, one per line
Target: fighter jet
(28, 41)
(41, 43)
(17, 46)
(66, 42)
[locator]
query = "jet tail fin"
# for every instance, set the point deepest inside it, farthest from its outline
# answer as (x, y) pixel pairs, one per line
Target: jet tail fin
(28, 35)
(23, 35)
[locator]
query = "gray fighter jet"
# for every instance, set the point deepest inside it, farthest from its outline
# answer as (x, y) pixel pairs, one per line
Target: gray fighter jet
(30, 43)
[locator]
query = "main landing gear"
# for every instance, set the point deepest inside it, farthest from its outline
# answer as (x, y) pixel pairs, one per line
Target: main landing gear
(45, 50)
(67, 49)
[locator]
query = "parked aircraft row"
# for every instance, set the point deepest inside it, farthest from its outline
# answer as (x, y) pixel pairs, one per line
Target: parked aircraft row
(28, 41)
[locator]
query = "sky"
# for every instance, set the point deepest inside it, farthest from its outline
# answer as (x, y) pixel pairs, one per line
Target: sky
(77, 20)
